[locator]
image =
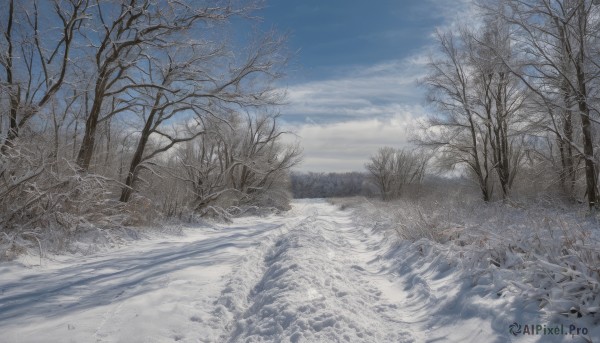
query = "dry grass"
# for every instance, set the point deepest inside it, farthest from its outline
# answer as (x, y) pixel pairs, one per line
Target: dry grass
(552, 250)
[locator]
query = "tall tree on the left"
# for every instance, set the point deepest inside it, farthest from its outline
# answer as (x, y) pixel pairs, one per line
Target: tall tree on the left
(36, 44)
(122, 33)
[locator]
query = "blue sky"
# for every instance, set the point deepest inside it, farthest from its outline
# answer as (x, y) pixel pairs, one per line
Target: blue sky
(352, 83)
(331, 34)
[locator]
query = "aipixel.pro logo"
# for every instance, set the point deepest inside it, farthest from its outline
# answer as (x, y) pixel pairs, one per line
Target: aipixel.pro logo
(516, 329)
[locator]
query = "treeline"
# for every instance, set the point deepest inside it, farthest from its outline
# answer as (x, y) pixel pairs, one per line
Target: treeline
(117, 111)
(328, 185)
(517, 98)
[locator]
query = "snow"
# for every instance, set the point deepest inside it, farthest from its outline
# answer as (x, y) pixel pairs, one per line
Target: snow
(310, 275)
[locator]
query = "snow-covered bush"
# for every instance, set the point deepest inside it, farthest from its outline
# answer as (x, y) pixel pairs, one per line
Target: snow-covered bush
(239, 163)
(47, 205)
(551, 250)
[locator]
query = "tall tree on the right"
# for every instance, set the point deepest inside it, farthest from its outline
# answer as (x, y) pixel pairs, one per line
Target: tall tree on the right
(500, 97)
(479, 105)
(560, 44)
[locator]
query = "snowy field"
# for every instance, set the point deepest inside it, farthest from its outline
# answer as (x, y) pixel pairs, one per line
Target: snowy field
(309, 275)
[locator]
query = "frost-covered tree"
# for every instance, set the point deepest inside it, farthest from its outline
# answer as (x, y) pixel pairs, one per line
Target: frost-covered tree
(238, 160)
(391, 169)
(119, 49)
(190, 83)
(456, 130)
(480, 105)
(560, 44)
(36, 46)
(99, 96)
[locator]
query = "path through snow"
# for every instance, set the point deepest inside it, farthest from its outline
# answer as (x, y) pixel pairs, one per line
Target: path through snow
(310, 275)
(314, 285)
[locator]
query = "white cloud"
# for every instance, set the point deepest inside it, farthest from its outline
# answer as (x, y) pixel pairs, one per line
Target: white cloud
(346, 146)
(363, 92)
(455, 13)
(342, 121)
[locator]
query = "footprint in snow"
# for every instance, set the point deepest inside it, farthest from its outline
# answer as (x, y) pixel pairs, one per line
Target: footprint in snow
(359, 268)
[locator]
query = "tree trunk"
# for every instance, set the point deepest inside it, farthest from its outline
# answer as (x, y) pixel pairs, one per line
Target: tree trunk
(586, 124)
(13, 129)
(127, 191)
(567, 176)
(86, 150)
(588, 147)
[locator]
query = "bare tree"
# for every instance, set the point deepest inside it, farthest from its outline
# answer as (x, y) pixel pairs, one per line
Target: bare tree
(392, 169)
(127, 30)
(381, 169)
(500, 97)
(190, 81)
(163, 99)
(238, 162)
(36, 53)
(481, 104)
(456, 130)
(560, 40)
(409, 168)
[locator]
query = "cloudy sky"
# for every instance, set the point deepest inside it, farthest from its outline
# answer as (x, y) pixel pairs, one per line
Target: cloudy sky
(352, 83)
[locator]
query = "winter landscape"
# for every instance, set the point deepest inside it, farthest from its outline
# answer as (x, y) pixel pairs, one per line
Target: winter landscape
(315, 171)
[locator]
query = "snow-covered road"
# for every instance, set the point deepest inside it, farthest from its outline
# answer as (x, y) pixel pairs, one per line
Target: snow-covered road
(310, 275)
(315, 284)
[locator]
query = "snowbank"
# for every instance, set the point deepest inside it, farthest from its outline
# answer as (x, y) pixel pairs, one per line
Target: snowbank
(495, 262)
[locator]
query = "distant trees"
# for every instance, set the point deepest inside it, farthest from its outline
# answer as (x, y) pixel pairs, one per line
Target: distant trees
(328, 185)
(392, 169)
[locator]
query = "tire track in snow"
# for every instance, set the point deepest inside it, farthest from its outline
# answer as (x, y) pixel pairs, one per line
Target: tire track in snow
(234, 297)
(312, 285)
